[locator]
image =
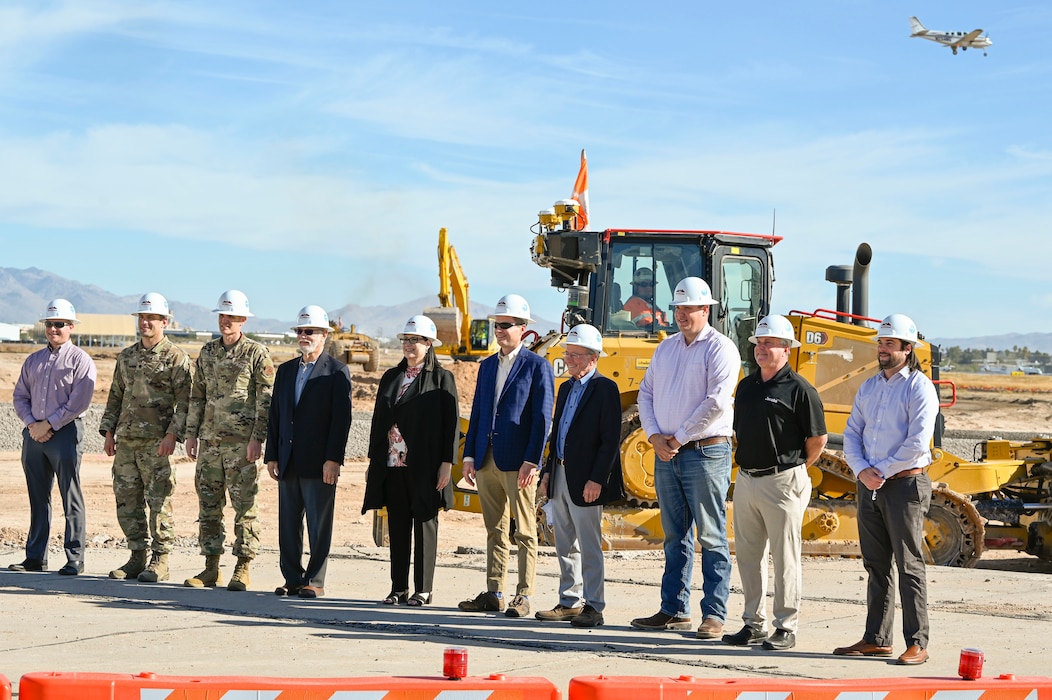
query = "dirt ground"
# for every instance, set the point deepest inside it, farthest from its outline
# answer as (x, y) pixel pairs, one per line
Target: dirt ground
(984, 402)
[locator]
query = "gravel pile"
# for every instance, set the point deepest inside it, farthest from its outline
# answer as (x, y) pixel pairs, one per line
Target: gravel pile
(11, 432)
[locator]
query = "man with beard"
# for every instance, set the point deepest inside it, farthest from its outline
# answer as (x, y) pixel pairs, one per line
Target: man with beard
(310, 417)
(887, 444)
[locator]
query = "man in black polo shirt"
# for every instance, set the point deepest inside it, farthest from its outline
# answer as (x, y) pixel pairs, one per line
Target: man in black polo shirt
(781, 429)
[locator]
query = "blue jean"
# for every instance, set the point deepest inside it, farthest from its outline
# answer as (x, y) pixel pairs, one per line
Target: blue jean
(692, 491)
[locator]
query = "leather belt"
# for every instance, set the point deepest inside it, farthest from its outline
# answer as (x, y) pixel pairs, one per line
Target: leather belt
(703, 442)
(769, 470)
(907, 472)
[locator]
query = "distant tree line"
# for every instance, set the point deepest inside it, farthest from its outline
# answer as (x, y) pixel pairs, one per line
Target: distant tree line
(972, 358)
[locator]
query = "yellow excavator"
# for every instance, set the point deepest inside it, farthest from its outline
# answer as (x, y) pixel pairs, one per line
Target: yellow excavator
(1000, 498)
(463, 337)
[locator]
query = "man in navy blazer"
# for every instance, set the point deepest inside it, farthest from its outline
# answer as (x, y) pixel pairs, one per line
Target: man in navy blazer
(581, 475)
(510, 417)
(310, 418)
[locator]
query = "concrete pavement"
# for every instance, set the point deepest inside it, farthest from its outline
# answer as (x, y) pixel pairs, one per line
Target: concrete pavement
(91, 623)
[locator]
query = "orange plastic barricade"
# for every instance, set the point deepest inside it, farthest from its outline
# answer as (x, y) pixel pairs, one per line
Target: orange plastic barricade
(150, 686)
(1004, 687)
(5, 688)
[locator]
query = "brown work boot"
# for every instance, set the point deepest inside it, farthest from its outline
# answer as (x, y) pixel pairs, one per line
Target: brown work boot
(239, 580)
(211, 576)
(157, 570)
(710, 628)
(133, 567)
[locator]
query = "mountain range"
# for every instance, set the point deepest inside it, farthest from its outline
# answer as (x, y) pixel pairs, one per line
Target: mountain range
(24, 293)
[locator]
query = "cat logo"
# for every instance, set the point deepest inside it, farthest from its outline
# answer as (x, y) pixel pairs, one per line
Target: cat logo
(816, 337)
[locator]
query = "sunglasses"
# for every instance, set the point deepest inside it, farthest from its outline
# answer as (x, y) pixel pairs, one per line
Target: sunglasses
(307, 331)
(413, 340)
(57, 324)
(504, 325)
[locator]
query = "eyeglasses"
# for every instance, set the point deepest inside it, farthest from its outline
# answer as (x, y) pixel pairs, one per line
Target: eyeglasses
(57, 324)
(504, 325)
(576, 355)
(307, 331)
(644, 284)
(414, 339)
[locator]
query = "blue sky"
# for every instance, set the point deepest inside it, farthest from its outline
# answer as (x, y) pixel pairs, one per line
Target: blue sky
(309, 152)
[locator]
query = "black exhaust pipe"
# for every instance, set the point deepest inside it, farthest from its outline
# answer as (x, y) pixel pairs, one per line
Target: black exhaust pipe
(860, 291)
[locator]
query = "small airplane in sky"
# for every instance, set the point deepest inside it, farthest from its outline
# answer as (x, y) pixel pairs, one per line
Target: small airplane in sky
(955, 40)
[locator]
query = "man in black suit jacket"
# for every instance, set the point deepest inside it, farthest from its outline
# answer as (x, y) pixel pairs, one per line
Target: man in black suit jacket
(583, 473)
(310, 417)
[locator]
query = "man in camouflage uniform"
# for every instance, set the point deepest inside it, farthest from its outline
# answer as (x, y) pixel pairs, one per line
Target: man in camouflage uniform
(229, 402)
(145, 416)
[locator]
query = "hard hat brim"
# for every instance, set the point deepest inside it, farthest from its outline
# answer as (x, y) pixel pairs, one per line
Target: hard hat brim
(493, 317)
(74, 321)
(564, 345)
(710, 302)
(247, 314)
(435, 342)
(794, 343)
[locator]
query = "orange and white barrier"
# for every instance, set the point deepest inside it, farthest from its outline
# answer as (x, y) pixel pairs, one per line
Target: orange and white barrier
(149, 686)
(1005, 687)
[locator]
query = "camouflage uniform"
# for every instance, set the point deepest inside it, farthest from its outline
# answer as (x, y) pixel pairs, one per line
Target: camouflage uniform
(148, 400)
(229, 402)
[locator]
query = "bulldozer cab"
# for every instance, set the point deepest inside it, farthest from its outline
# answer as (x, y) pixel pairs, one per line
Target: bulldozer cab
(630, 288)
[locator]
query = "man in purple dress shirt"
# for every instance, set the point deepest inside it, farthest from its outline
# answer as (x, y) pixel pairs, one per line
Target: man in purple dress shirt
(52, 393)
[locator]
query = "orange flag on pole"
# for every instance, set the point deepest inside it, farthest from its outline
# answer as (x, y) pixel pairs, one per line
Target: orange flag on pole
(580, 194)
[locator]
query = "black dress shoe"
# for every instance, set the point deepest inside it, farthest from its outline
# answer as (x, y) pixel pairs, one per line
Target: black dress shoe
(780, 641)
(745, 636)
(72, 568)
(29, 565)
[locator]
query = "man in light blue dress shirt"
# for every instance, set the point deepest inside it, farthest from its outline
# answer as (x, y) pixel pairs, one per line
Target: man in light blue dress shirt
(887, 444)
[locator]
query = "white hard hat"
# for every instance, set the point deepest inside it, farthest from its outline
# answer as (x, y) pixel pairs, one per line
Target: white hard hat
(587, 336)
(153, 303)
(692, 291)
(421, 325)
(513, 305)
(311, 316)
(775, 326)
(232, 303)
(60, 310)
(900, 326)
(643, 274)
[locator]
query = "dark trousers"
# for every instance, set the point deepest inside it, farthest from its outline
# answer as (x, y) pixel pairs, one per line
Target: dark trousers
(42, 462)
(892, 526)
(314, 500)
(403, 528)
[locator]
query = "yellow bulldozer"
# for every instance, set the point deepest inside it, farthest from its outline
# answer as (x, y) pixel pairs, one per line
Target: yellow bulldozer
(1000, 498)
(351, 347)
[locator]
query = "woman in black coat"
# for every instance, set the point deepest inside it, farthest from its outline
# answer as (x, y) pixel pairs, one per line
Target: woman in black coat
(412, 447)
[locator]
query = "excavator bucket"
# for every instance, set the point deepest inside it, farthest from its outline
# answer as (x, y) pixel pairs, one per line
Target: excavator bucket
(447, 322)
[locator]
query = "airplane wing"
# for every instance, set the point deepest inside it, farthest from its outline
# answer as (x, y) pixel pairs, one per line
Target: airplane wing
(967, 38)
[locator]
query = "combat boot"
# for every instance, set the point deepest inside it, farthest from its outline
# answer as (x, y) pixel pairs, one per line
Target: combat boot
(157, 570)
(211, 576)
(133, 567)
(239, 579)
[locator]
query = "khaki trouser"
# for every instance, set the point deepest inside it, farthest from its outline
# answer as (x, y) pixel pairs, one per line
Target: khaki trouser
(770, 510)
(497, 491)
